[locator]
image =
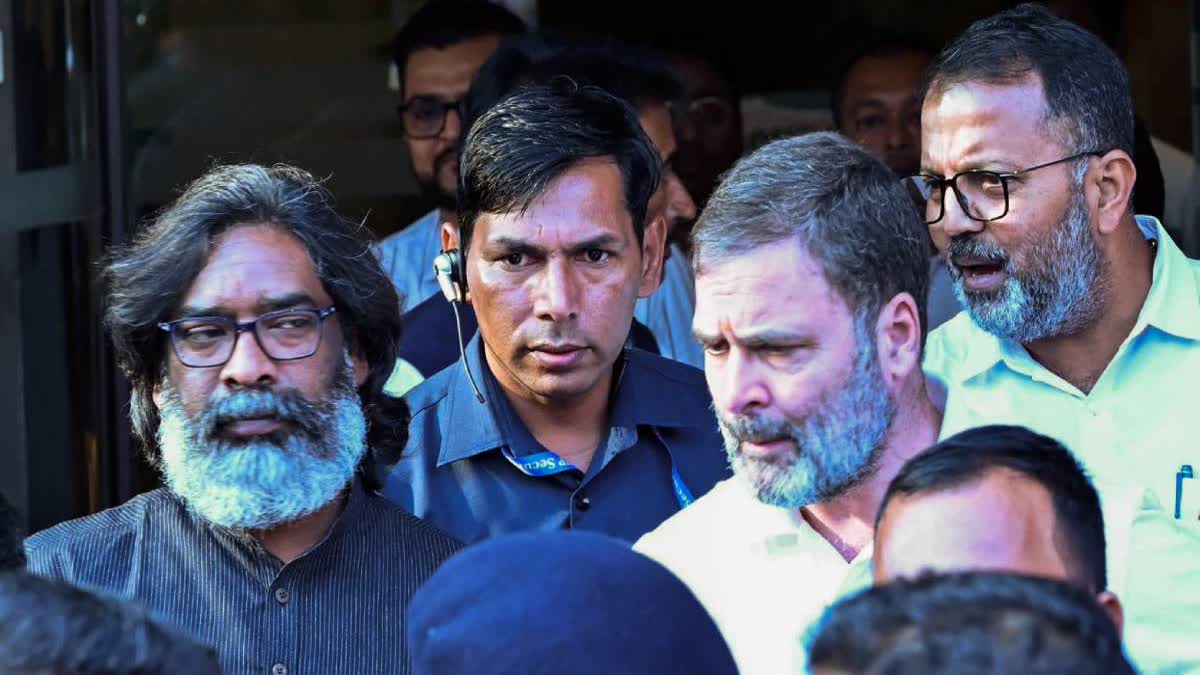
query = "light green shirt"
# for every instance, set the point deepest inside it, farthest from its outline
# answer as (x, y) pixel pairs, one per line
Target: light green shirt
(1140, 423)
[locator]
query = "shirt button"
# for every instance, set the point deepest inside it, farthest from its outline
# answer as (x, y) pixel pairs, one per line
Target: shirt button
(278, 669)
(582, 502)
(282, 596)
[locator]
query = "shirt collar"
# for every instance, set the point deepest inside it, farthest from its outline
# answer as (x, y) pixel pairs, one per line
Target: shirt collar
(647, 393)
(655, 392)
(778, 532)
(356, 497)
(1171, 305)
(470, 427)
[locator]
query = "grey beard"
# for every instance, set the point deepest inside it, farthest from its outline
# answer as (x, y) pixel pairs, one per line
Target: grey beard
(269, 480)
(1061, 288)
(837, 445)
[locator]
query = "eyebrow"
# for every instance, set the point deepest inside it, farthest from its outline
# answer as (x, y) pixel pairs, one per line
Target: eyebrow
(758, 338)
(515, 245)
(269, 304)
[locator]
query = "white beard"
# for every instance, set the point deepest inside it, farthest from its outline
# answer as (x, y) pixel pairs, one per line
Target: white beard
(267, 481)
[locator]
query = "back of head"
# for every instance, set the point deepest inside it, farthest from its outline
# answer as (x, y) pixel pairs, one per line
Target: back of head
(49, 626)
(560, 602)
(438, 24)
(520, 145)
(974, 623)
(148, 279)
(971, 455)
(1089, 106)
(12, 550)
(845, 207)
(633, 75)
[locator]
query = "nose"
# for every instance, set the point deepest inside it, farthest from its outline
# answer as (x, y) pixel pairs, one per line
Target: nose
(557, 289)
(954, 218)
(680, 207)
(248, 365)
(736, 383)
(452, 127)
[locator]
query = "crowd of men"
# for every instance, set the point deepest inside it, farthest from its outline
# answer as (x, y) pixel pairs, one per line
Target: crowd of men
(602, 271)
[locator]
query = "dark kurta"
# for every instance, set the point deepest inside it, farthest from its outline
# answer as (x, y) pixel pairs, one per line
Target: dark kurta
(339, 608)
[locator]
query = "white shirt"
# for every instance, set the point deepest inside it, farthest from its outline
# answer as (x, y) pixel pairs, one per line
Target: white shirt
(1140, 423)
(762, 573)
(766, 576)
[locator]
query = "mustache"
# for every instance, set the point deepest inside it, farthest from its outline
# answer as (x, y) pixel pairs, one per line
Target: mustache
(972, 246)
(288, 406)
(754, 429)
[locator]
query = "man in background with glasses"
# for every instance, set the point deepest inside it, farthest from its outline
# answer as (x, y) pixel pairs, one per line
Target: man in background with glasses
(1082, 321)
(257, 332)
(436, 55)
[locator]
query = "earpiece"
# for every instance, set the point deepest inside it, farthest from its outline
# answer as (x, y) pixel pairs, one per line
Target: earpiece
(452, 278)
(448, 269)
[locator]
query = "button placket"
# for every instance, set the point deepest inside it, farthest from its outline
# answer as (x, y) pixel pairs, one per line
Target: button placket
(581, 501)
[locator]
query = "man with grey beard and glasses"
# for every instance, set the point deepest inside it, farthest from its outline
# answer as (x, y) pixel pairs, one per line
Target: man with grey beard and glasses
(257, 332)
(811, 276)
(1082, 320)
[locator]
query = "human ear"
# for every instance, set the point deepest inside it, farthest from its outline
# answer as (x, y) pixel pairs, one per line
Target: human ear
(898, 337)
(654, 244)
(1109, 185)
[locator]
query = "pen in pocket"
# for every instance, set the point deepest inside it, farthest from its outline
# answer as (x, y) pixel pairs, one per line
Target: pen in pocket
(1185, 471)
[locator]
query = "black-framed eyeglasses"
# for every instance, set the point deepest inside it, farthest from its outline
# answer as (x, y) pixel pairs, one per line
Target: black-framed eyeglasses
(983, 195)
(425, 116)
(284, 335)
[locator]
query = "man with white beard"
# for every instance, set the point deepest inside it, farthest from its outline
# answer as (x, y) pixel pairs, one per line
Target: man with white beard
(257, 332)
(811, 276)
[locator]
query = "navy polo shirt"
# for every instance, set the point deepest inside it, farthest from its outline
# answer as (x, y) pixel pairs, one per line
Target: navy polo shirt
(454, 473)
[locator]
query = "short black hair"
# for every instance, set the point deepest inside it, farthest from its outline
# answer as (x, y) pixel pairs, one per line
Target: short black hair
(438, 24)
(50, 626)
(12, 548)
(969, 623)
(1088, 100)
(881, 49)
(148, 278)
(969, 456)
(635, 75)
(515, 149)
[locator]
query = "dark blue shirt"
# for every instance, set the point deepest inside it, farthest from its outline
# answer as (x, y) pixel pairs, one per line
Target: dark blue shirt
(454, 474)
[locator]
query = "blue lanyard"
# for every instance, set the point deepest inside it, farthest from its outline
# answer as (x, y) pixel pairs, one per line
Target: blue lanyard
(542, 464)
(546, 463)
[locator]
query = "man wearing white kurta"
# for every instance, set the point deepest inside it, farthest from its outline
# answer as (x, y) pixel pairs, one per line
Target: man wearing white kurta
(811, 277)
